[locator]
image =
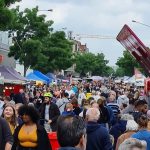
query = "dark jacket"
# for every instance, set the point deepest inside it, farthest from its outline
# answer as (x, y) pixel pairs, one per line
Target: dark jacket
(20, 98)
(97, 137)
(43, 141)
(77, 110)
(5, 134)
(118, 129)
(53, 115)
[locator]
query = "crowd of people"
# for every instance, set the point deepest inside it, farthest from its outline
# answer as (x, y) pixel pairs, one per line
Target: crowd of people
(85, 116)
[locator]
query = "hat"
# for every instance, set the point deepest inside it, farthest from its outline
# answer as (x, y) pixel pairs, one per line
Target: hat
(48, 94)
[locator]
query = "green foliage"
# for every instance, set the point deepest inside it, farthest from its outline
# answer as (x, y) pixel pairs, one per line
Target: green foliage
(120, 72)
(96, 64)
(84, 63)
(6, 15)
(58, 53)
(9, 2)
(108, 71)
(126, 64)
(99, 66)
(35, 46)
(29, 29)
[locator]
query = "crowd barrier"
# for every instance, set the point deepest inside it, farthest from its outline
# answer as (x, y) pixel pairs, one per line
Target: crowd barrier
(53, 140)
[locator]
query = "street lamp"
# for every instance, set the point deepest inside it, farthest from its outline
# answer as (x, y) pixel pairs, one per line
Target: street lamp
(141, 23)
(46, 10)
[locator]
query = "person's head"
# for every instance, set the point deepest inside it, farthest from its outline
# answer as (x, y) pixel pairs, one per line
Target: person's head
(127, 117)
(21, 91)
(29, 114)
(112, 96)
(131, 125)
(71, 132)
(74, 102)
(6, 99)
(142, 121)
(47, 97)
(69, 107)
(68, 87)
(80, 90)
(94, 104)
(92, 114)
(141, 106)
(17, 106)
(101, 101)
(132, 144)
(85, 103)
(66, 95)
(9, 114)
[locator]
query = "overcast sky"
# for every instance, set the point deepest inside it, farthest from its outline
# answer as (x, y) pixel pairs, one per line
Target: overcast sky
(98, 17)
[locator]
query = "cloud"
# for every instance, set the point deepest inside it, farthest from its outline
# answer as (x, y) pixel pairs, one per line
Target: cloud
(102, 17)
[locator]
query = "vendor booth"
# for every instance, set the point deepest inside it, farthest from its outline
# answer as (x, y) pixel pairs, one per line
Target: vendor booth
(10, 80)
(33, 77)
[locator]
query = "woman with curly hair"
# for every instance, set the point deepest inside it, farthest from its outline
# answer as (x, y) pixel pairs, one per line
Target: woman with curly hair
(10, 116)
(30, 135)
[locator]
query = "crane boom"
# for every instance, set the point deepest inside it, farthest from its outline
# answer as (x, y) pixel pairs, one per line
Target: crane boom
(94, 36)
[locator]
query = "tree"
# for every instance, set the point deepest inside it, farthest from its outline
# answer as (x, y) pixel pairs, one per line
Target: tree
(84, 63)
(58, 53)
(127, 63)
(120, 72)
(100, 65)
(6, 15)
(89, 62)
(109, 71)
(29, 29)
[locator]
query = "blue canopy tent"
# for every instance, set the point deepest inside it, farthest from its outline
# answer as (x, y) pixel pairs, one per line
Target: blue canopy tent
(33, 77)
(51, 76)
(42, 76)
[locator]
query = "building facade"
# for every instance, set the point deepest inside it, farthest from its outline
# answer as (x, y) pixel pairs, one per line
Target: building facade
(5, 42)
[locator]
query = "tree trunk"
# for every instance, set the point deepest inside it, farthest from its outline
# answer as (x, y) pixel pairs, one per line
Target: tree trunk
(25, 70)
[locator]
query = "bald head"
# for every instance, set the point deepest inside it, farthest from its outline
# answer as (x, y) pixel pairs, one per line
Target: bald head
(92, 114)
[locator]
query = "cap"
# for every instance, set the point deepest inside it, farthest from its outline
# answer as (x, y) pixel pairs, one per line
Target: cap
(48, 94)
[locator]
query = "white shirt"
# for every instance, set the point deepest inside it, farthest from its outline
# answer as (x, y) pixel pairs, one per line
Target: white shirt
(81, 96)
(47, 112)
(70, 92)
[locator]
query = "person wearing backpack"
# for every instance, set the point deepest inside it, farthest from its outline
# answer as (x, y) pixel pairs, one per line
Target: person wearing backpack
(61, 103)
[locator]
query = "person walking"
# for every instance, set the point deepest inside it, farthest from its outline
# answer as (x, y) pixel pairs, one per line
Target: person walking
(30, 135)
(49, 113)
(97, 136)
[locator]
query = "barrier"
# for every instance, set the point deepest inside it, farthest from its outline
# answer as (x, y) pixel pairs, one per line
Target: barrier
(53, 140)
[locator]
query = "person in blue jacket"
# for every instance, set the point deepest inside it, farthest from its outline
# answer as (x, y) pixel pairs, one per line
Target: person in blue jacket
(97, 136)
(143, 133)
(68, 110)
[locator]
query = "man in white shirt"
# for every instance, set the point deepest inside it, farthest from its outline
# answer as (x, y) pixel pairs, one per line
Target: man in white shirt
(69, 91)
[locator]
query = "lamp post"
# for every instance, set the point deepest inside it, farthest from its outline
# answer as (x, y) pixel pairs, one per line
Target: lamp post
(46, 10)
(141, 23)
